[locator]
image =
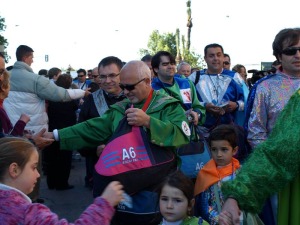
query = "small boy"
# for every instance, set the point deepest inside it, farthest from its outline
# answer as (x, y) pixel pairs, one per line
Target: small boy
(222, 167)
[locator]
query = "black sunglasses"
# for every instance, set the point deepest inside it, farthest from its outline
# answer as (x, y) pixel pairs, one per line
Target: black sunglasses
(95, 76)
(130, 87)
(81, 75)
(226, 63)
(290, 51)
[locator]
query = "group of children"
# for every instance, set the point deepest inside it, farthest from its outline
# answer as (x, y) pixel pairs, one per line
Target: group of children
(181, 202)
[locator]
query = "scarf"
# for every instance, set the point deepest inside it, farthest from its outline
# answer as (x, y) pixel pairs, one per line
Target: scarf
(211, 174)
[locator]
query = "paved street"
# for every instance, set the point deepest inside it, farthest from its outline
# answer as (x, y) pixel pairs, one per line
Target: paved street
(71, 203)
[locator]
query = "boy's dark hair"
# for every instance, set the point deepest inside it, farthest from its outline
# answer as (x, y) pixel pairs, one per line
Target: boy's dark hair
(22, 51)
(178, 180)
(225, 132)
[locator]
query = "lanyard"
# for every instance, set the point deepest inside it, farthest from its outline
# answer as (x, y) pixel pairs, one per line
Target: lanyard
(146, 105)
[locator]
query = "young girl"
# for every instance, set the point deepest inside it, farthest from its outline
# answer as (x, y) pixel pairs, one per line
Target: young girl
(18, 175)
(222, 167)
(176, 201)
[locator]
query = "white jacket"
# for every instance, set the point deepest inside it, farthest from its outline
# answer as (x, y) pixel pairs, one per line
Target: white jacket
(28, 93)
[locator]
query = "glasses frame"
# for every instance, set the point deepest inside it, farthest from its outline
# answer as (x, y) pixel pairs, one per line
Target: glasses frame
(226, 63)
(110, 76)
(95, 76)
(290, 51)
(130, 87)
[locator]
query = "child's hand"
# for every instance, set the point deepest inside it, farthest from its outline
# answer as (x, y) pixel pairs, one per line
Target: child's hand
(113, 193)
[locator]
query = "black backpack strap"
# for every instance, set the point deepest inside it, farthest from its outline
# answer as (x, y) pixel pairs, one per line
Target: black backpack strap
(197, 77)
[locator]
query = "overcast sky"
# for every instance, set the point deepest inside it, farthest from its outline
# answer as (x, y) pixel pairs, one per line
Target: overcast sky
(81, 33)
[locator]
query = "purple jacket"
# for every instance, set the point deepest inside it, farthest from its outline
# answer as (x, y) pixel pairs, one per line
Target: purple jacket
(16, 208)
(7, 127)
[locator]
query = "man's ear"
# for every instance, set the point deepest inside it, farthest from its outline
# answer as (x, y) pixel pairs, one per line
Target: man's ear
(14, 170)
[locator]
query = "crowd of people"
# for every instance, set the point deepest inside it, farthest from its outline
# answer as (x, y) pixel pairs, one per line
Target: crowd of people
(252, 172)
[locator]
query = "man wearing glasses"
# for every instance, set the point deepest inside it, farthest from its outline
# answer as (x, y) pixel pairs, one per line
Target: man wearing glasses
(106, 75)
(263, 175)
(159, 114)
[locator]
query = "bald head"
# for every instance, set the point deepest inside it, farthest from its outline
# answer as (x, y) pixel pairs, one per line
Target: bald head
(135, 80)
(141, 70)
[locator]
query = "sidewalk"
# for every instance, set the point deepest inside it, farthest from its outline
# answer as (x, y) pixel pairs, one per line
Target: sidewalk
(71, 203)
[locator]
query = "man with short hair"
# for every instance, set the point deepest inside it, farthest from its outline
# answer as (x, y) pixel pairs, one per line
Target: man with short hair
(164, 66)
(219, 93)
(54, 73)
(184, 68)
(99, 102)
(227, 62)
(154, 111)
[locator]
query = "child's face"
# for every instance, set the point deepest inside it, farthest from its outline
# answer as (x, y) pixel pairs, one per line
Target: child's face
(173, 204)
(27, 178)
(222, 152)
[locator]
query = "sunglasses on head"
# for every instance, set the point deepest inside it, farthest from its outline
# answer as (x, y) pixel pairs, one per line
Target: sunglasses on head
(290, 50)
(130, 87)
(226, 63)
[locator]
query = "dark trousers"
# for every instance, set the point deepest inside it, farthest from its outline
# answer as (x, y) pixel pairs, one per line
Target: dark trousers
(58, 166)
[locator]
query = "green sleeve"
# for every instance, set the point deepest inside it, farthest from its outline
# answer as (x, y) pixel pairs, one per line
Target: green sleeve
(167, 127)
(90, 133)
(273, 163)
(196, 104)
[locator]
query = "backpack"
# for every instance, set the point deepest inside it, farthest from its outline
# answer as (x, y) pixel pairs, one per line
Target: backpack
(129, 157)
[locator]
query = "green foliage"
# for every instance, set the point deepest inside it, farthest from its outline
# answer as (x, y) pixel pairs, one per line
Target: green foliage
(167, 42)
(160, 42)
(3, 40)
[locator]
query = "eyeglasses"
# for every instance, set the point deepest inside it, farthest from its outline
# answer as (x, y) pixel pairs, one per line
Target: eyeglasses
(2, 71)
(226, 63)
(290, 51)
(110, 76)
(81, 75)
(95, 76)
(130, 87)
